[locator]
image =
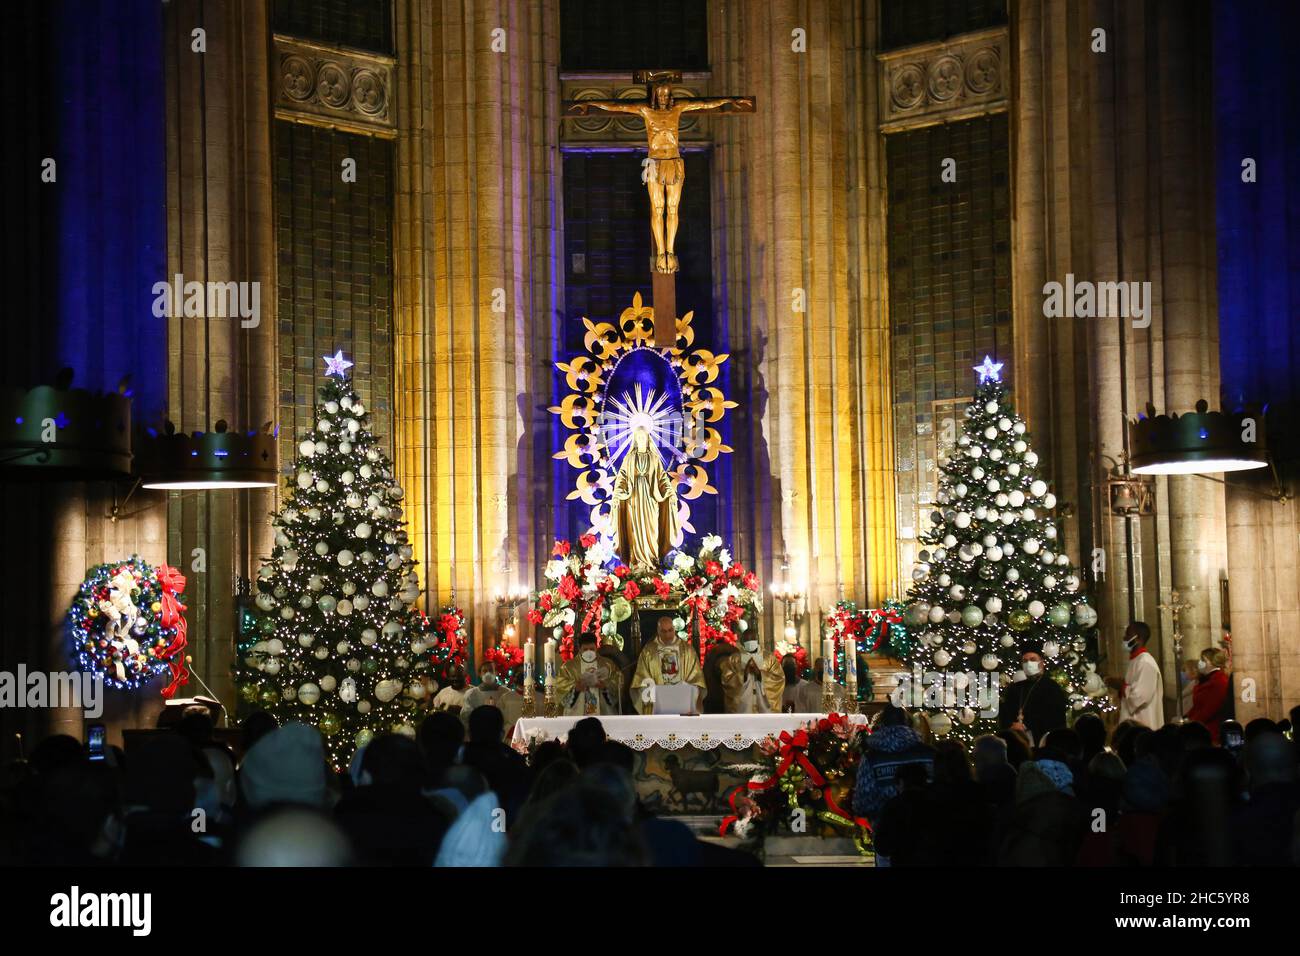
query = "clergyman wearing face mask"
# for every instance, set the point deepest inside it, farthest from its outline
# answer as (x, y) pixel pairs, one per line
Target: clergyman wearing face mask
(588, 685)
(1034, 705)
(752, 681)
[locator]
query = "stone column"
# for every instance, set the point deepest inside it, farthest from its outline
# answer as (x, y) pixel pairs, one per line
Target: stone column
(1114, 182)
(477, 291)
(799, 235)
(219, 228)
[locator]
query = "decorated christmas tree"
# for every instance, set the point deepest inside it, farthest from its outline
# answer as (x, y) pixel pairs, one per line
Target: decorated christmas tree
(337, 641)
(992, 583)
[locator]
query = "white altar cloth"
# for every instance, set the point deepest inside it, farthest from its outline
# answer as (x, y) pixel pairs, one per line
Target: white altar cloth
(672, 732)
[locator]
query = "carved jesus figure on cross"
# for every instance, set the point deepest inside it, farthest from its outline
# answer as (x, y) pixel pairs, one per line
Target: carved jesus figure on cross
(666, 172)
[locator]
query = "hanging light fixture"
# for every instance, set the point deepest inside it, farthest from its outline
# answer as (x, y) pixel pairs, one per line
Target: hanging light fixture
(60, 433)
(205, 461)
(1197, 443)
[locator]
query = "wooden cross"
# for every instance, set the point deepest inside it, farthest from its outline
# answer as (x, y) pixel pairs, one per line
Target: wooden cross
(664, 174)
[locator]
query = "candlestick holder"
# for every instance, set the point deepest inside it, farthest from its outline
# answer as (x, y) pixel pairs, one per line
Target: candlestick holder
(828, 698)
(530, 702)
(851, 700)
(550, 707)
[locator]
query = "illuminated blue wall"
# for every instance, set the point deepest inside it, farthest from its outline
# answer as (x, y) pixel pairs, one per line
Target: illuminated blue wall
(1257, 115)
(110, 229)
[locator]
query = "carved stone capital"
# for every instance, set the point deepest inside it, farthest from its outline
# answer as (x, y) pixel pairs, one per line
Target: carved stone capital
(939, 82)
(330, 86)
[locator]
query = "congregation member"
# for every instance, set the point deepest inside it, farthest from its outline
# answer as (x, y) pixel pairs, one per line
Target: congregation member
(1211, 694)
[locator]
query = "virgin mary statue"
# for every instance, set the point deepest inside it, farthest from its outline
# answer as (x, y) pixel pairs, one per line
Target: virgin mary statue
(644, 514)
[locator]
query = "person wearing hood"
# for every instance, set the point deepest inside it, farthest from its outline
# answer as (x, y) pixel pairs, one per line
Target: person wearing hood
(1142, 691)
(478, 837)
(891, 746)
(1047, 826)
(285, 766)
(587, 684)
(751, 681)
(1034, 705)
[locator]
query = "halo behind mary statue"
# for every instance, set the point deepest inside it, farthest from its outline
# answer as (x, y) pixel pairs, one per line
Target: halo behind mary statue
(643, 421)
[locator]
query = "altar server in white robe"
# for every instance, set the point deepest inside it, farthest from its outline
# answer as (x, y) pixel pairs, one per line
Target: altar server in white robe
(492, 692)
(1142, 694)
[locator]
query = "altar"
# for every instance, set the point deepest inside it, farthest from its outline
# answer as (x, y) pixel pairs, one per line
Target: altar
(684, 765)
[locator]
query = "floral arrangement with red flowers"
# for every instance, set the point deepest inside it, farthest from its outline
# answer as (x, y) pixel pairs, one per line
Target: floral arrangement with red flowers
(127, 625)
(448, 642)
(509, 661)
(591, 591)
(804, 775)
(800, 655)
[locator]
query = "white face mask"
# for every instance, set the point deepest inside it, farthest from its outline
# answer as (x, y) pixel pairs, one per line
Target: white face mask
(1033, 668)
(588, 656)
(751, 646)
(1202, 666)
(1130, 642)
(490, 679)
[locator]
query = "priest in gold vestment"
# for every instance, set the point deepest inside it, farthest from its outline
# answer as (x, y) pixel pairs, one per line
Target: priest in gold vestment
(751, 681)
(644, 515)
(588, 685)
(666, 660)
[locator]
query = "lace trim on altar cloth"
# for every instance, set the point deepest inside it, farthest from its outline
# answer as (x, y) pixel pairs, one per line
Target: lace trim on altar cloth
(700, 738)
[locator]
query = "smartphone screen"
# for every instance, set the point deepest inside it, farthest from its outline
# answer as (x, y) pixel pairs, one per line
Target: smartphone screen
(95, 742)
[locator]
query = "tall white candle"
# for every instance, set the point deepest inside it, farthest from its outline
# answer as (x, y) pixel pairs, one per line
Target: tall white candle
(851, 664)
(549, 663)
(828, 660)
(529, 650)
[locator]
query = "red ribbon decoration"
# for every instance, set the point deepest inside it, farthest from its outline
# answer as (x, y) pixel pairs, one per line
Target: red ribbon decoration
(172, 583)
(880, 620)
(734, 817)
(793, 750)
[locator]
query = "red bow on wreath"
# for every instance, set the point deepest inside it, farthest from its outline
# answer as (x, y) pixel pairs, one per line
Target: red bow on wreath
(793, 749)
(880, 621)
(172, 583)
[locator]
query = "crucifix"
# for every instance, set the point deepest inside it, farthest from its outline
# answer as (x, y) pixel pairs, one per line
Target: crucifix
(664, 174)
(1175, 607)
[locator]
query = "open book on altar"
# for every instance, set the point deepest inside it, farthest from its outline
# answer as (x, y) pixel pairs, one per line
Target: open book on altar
(674, 698)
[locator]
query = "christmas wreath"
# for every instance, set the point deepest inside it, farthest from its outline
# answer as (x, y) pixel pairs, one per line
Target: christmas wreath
(807, 773)
(127, 624)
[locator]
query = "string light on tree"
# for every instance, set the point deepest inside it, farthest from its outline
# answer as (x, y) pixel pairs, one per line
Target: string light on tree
(336, 641)
(992, 581)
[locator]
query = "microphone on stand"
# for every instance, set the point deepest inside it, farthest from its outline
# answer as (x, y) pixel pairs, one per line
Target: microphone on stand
(225, 714)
